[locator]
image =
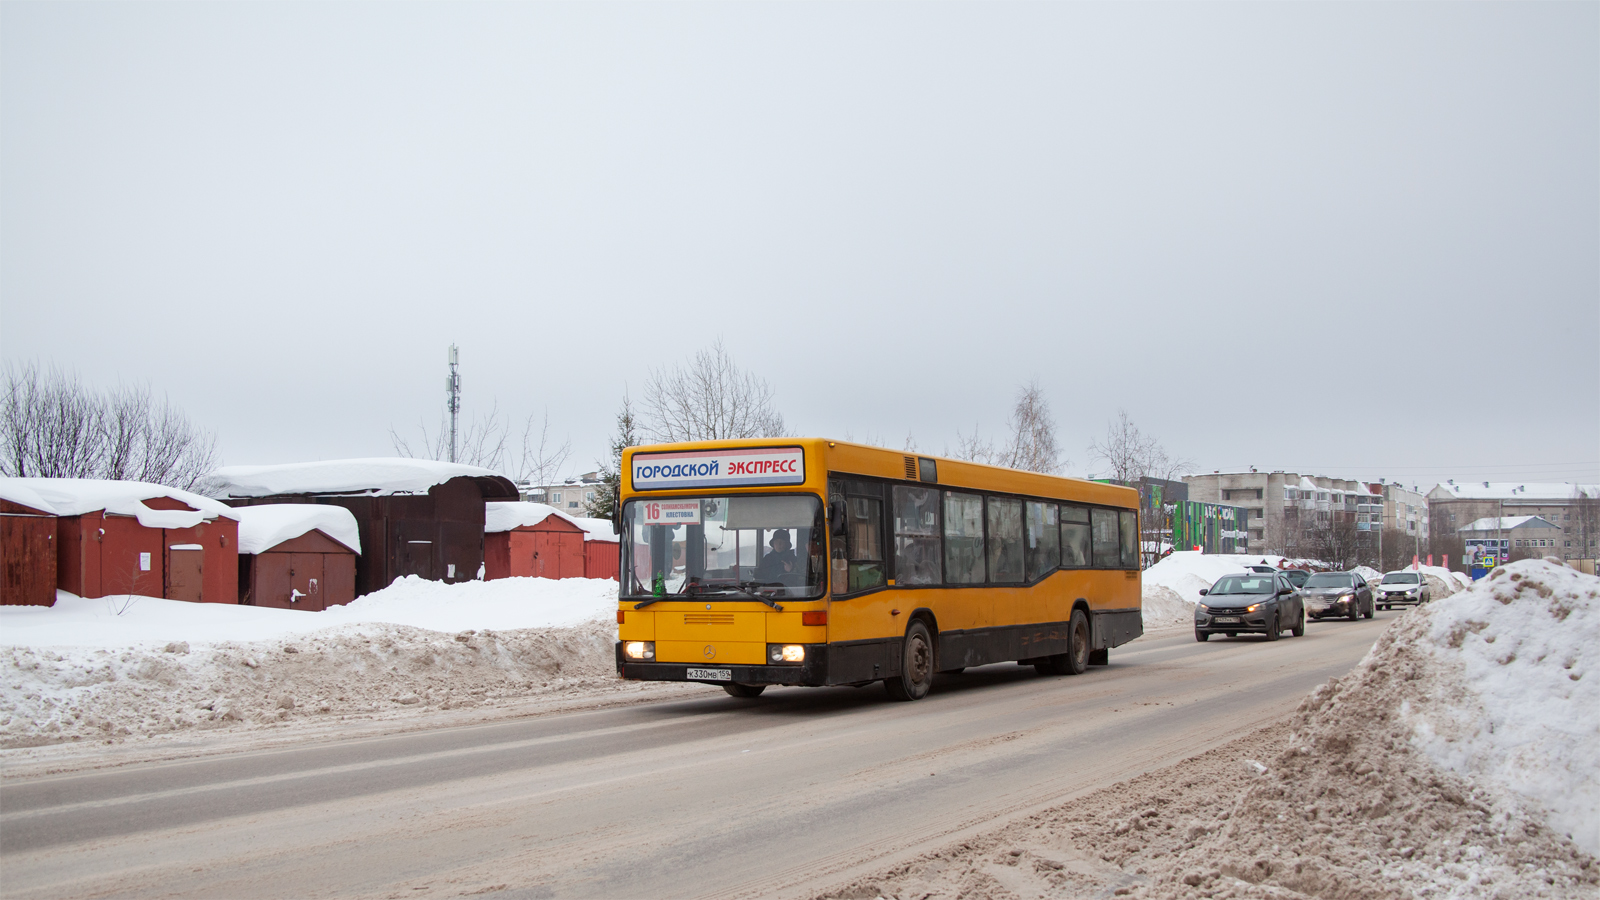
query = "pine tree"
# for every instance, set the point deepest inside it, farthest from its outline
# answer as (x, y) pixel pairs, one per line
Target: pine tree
(604, 504)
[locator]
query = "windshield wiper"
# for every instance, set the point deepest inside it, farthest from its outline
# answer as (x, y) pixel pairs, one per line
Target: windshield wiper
(730, 590)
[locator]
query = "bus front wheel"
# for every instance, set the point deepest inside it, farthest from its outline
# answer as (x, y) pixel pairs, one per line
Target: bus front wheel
(916, 665)
(747, 691)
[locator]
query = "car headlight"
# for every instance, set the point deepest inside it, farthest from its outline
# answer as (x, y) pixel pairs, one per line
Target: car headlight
(639, 649)
(1251, 609)
(786, 653)
(1345, 598)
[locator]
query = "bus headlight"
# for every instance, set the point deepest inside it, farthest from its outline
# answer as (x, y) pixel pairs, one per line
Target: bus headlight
(786, 653)
(639, 649)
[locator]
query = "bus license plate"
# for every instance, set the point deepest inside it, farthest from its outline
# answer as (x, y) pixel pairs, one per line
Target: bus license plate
(709, 675)
(1226, 619)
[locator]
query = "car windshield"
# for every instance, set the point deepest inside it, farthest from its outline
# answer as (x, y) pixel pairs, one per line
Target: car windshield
(1243, 584)
(1401, 578)
(724, 548)
(1329, 580)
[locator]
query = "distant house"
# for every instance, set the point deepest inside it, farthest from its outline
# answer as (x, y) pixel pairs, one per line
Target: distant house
(129, 537)
(1512, 535)
(414, 516)
(572, 496)
(297, 555)
(535, 539)
(27, 547)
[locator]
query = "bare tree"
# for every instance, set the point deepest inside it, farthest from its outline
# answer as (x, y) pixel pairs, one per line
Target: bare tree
(708, 398)
(1330, 538)
(1032, 445)
(543, 460)
(1030, 442)
(481, 443)
(486, 442)
(55, 427)
(973, 448)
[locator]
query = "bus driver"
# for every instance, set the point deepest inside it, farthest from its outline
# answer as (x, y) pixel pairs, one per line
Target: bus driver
(781, 561)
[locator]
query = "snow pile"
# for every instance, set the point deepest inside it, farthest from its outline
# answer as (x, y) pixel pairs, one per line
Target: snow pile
(1523, 651)
(118, 666)
(378, 477)
(79, 496)
(1456, 760)
(1368, 573)
(1185, 573)
(122, 621)
(263, 527)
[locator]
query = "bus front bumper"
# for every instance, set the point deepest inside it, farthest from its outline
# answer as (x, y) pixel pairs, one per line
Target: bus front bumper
(814, 671)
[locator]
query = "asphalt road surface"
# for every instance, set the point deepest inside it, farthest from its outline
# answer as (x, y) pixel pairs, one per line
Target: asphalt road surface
(708, 796)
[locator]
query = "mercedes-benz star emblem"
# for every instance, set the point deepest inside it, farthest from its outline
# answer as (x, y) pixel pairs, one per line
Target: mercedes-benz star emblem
(711, 652)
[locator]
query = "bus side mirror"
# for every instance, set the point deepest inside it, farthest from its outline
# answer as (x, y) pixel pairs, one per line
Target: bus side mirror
(836, 518)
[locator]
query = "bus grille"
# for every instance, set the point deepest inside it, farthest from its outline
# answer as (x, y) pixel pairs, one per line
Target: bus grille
(708, 618)
(911, 468)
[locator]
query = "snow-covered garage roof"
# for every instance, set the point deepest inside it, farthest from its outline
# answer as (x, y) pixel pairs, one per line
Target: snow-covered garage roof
(378, 477)
(520, 514)
(263, 527)
(78, 496)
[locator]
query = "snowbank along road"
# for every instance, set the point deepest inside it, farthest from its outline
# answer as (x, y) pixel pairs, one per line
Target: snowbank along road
(703, 795)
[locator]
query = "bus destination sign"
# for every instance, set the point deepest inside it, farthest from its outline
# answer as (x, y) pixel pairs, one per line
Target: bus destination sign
(754, 467)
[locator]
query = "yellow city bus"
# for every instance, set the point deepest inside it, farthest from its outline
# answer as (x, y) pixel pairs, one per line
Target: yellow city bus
(813, 562)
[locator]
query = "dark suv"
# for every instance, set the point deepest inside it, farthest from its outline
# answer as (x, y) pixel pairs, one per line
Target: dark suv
(1254, 603)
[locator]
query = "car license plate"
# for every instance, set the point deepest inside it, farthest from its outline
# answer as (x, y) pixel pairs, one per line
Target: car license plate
(1227, 620)
(709, 674)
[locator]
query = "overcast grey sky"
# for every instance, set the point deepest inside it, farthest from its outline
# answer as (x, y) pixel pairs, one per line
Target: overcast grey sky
(1354, 239)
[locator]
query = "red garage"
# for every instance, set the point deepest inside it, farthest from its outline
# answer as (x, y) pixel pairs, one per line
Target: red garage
(532, 539)
(27, 547)
(129, 537)
(415, 516)
(297, 555)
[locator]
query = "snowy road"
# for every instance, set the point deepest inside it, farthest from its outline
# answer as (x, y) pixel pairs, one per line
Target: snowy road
(697, 797)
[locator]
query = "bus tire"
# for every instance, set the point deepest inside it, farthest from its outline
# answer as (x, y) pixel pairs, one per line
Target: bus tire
(747, 691)
(916, 665)
(1076, 659)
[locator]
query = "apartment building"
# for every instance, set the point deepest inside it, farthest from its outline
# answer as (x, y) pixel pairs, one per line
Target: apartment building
(1284, 506)
(1573, 508)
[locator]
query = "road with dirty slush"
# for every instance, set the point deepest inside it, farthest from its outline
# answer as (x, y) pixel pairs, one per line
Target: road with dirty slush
(701, 795)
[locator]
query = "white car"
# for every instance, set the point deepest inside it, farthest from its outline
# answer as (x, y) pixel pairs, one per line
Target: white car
(1402, 588)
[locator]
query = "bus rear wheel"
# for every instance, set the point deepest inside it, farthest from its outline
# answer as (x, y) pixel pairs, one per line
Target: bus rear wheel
(916, 665)
(746, 691)
(1076, 659)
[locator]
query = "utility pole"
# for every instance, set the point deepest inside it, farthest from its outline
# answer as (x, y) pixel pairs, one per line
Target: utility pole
(452, 386)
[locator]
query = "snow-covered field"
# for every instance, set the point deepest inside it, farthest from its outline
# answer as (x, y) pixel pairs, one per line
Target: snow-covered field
(119, 666)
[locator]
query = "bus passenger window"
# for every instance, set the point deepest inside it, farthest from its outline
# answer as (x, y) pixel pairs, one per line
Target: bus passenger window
(1074, 537)
(1044, 539)
(1005, 540)
(1130, 539)
(916, 535)
(866, 544)
(963, 538)
(1106, 552)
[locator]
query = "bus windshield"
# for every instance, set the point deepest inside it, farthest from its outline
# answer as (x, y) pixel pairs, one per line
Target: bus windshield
(724, 547)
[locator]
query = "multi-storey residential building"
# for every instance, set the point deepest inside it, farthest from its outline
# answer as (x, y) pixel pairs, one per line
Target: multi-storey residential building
(1289, 512)
(1574, 508)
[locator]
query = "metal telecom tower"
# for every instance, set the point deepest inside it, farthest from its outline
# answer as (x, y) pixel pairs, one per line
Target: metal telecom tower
(452, 386)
